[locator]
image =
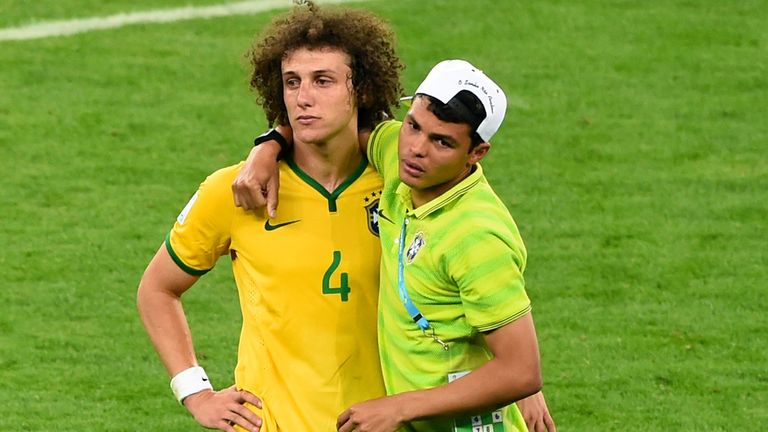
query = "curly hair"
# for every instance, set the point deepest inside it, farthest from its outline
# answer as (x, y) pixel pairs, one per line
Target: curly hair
(367, 39)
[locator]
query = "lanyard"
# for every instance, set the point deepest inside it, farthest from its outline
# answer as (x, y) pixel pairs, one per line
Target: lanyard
(413, 311)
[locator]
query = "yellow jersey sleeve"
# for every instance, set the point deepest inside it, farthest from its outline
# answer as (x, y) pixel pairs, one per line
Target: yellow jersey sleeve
(202, 231)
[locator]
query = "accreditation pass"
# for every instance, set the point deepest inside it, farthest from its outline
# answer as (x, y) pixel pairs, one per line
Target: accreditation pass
(485, 422)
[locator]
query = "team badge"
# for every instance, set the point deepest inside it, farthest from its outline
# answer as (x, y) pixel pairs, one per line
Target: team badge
(372, 212)
(416, 245)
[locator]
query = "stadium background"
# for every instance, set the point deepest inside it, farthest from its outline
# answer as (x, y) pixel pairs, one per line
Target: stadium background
(634, 159)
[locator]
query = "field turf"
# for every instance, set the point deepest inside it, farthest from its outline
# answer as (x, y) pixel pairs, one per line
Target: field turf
(634, 159)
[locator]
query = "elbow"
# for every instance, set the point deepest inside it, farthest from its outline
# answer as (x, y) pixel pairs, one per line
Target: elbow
(527, 385)
(142, 298)
(142, 292)
(148, 295)
(525, 388)
(519, 386)
(534, 382)
(534, 385)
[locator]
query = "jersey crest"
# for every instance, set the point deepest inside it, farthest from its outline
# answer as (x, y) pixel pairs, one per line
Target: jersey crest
(372, 211)
(415, 247)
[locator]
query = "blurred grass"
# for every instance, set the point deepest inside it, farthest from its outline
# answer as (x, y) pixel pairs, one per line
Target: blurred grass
(633, 158)
(23, 12)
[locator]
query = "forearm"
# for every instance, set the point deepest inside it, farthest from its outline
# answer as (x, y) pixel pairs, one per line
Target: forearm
(513, 373)
(166, 325)
(159, 303)
(492, 385)
(278, 140)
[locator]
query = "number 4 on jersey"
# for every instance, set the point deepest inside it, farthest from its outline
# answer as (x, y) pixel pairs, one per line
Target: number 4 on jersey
(343, 289)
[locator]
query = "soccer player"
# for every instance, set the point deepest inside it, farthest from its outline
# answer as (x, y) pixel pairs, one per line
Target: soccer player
(452, 303)
(456, 336)
(307, 280)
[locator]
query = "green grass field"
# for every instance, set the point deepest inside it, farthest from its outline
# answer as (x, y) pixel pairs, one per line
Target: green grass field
(634, 159)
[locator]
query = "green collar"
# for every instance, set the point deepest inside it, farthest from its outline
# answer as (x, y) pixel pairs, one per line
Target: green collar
(330, 196)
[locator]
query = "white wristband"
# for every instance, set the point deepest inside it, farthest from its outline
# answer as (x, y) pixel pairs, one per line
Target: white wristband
(189, 382)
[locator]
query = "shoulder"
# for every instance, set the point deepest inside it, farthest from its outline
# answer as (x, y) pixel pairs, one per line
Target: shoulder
(385, 131)
(215, 191)
(222, 177)
(481, 203)
(486, 221)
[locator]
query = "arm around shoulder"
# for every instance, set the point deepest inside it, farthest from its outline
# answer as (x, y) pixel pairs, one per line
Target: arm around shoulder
(258, 182)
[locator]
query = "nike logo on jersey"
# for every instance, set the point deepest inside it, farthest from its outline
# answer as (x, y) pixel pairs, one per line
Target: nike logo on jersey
(381, 215)
(269, 227)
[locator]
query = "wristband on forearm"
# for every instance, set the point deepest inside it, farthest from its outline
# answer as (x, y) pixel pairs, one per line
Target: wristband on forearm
(190, 381)
(272, 135)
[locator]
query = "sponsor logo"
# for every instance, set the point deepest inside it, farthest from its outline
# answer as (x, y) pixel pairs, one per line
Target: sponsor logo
(383, 216)
(269, 227)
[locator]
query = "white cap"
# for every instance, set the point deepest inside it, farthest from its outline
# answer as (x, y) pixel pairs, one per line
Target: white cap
(449, 77)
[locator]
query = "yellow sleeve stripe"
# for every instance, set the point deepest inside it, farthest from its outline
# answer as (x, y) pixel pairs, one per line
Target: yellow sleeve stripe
(515, 317)
(187, 269)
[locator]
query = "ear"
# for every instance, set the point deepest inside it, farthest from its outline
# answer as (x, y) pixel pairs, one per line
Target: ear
(478, 153)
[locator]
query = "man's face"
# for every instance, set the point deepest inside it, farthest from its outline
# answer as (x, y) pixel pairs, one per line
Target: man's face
(317, 92)
(434, 155)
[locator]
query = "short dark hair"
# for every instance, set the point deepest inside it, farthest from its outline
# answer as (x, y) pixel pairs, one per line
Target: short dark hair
(465, 108)
(367, 39)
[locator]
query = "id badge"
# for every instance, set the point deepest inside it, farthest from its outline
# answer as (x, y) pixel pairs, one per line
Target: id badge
(485, 422)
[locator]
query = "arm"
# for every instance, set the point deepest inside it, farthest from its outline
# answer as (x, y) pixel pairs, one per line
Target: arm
(257, 183)
(536, 414)
(160, 308)
(512, 374)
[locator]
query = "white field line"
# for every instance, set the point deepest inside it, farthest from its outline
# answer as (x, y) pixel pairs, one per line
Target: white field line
(82, 25)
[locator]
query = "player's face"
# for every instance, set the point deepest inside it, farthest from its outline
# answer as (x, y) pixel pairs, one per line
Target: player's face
(317, 92)
(434, 155)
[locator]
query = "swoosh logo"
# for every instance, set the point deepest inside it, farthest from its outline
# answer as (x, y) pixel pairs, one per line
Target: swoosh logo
(269, 227)
(381, 214)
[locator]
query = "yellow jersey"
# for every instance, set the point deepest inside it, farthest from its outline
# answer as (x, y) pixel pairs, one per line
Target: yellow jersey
(308, 287)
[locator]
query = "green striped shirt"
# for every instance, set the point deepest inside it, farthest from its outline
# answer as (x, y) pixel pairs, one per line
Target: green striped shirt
(463, 265)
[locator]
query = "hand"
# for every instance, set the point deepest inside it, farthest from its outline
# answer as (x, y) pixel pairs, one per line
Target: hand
(258, 181)
(536, 414)
(377, 415)
(223, 409)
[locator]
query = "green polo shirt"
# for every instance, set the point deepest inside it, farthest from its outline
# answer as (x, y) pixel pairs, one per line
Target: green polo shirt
(463, 262)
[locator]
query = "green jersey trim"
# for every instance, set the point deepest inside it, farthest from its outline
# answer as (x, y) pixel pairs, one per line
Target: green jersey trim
(502, 323)
(330, 196)
(187, 269)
